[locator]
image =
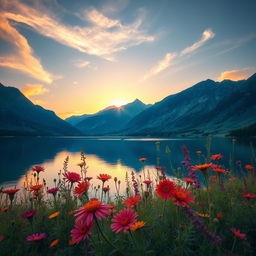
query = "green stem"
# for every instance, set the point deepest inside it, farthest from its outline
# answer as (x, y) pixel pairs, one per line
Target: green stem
(233, 246)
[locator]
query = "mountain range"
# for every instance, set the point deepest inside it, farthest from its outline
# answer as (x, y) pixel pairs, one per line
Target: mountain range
(208, 107)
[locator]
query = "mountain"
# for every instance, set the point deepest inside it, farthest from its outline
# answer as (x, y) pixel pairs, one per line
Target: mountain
(108, 120)
(74, 120)
(19, 116)
(208, 107)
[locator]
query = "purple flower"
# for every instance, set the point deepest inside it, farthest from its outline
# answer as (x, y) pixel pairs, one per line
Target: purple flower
(135, 184)
(53, 190)
(29, 214)
(36, 237)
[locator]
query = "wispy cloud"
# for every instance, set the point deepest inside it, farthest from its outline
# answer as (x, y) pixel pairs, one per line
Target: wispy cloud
(22, 57)
(82, 64)
(237, 75)
(33, 90)
(206, 35)
(168, 59)
(103, 38)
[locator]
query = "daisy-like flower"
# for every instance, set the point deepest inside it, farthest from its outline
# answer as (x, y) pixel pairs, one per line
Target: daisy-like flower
(249, 195)
(29, 214)
(36, 237)
(219, 170)
(54, 215)
(183, 198)
(72, 177)
(132, 201)
(81, 231)
(94, 208)
(203, 167)
(137, 225)
(203, 215)
(81, 188)
(216, 157)
(165, 189)
(143, 159)
(237, 233)
(249, 167)
(104, 177)
(53, 190)
(123, 220)
(11, 192)
(38, 168)
(54, 243)
(36, 187)
(189, 180)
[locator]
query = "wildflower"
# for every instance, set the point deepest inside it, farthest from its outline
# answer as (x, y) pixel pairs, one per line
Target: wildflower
(72, 177)
(38, 168)
(165, 189)
(5, 209)
(132, 201)
(81, 231)
(160, 168)
(216, 157)
(137, 225)
(29, 214)
(249, 167)
(123, 220)
(36, 237)
(143, 159)
(11, 193)
(203, 167)
(237, 233)
(53, 190)
(147, 182)
(249, 195)
(189, 180)
(220, 215)
(54, 215)
(81, 188)
(198, 152)
(183, 198)
(203, 215)
(218, 170)
(54, 243)
(94, 208)
(36, 187)
(104, 177)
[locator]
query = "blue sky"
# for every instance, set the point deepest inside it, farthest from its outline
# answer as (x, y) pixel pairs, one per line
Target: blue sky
(78, 57)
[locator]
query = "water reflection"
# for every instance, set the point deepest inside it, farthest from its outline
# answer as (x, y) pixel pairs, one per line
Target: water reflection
(113, 156)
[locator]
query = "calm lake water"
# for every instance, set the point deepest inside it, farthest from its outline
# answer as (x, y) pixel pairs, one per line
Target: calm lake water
(113, 156)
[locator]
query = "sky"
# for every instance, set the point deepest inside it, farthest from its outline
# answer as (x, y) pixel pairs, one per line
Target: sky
(78, 57)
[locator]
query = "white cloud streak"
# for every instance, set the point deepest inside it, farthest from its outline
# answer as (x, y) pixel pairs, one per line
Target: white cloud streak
(237, 75)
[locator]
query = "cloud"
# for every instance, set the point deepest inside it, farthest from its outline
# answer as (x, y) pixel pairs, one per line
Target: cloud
(167, 61)
(206, 35)
(22, 57)
(237, 75)
(33, 90)
(82, 64)
(103, 38)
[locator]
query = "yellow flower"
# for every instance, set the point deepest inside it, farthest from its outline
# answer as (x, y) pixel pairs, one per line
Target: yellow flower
(54, 215)
(203, 215)
(138, 225)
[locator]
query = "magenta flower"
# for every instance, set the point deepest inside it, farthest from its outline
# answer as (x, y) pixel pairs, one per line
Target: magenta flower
(53, 190)
(29, 214)
(123, 220)
(81, 231)
(72, 177)
(36, 237)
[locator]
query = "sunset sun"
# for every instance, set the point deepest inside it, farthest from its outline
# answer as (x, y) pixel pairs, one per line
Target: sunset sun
(119, 102)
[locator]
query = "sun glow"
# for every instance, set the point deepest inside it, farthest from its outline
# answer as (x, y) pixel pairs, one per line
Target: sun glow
(119, 102)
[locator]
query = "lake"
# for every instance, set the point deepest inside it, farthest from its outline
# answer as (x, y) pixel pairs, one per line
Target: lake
(113, 155)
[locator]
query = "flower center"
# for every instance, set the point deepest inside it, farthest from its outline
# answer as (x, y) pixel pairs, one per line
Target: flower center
(124, 221)
(166, 188)
(92, 206)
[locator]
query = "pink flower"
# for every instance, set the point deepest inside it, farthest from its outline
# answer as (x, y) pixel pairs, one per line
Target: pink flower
(72, 177)
(93, 208)
(36, 237)
(53, 190)
(124, 220)
(81, 231)
(29, 214)
(237, 233)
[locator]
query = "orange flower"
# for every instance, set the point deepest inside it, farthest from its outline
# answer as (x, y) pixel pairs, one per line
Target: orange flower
(137, 225)
(237, 233)
(216, 157)
(189, 180)
(165, 189)
(54, 243)
(218, 170)
(183, 198)
(249, 167)
(81, 188)
(132, 201)
(104, 177)
(54, 215)
(220, 215)
(143, 159)
(203, 215)
(203, 167)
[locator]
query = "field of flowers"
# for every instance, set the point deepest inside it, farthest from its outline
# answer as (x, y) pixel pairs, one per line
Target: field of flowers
(204, 210)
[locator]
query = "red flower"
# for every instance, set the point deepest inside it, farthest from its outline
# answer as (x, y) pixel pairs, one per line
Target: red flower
(143, 159)
(5, 209)
(216, 157)
(147, 182)
(220, 215)
(189, 180)
(53, 190)
(249, 167)
(104, 177)
(203, 167)
(249, 195)
(81, 231)
(106, 189)
(165, 189)
(160, 168)
(38, 168)
(72, 177)
(183, 198)
(238, 234)
(81, 188)
(218, 170)
(132, 201)
(36, 237)
(36, 187)
(10, 191)
(123, 220)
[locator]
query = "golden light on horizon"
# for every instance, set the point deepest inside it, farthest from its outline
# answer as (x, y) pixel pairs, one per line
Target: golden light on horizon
(119, 102)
